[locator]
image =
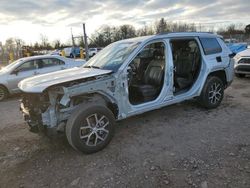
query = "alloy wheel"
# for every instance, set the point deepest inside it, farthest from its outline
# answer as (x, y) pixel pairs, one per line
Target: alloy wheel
(215, 93)
(95, 132)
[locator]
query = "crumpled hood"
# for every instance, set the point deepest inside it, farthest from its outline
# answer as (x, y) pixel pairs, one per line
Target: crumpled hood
(38, 84)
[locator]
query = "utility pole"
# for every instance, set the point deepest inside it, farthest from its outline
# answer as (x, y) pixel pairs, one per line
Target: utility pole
(73, 43)
(85, 42)
(72, 37)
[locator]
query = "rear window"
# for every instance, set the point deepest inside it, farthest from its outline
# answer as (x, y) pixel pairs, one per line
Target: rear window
(42, 63)
(210, 46)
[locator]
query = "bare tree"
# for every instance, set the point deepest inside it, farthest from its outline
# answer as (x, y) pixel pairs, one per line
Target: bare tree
(127, 31)
(10, 44)
(36, 46)
(247, 29)
(161, 26)
(44, 40)
(231, 29)
(107, 34)
(19, 44)
(145, 30)
(57, 44)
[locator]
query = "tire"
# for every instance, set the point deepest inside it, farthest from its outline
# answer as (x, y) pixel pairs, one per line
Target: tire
(212, 93)
(82, 123)
(3, 93)
(239, 75)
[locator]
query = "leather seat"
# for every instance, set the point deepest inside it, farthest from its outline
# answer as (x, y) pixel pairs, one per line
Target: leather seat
(183, 68)
(153, 78)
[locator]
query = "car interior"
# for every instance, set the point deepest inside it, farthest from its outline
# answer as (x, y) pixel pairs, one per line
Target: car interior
(146, 74)
(146, 71)
(43, 63)
(187, 63)
(38, 64)
(27, 66)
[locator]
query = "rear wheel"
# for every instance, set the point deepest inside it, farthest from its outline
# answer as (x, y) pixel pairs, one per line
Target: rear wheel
(212, 93)
(90, 128)
(3, 93)
(239, 75)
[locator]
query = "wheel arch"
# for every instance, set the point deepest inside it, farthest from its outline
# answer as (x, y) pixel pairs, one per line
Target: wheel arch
(220, 74)
(5, 88)
(110, 104)
(101, 98)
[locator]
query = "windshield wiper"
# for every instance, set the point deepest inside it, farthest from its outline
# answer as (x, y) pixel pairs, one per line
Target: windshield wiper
(92, 66)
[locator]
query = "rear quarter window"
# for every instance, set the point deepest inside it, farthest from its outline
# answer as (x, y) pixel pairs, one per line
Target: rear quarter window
(210, 46)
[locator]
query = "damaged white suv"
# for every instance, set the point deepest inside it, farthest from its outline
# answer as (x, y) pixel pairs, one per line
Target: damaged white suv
(127, 78)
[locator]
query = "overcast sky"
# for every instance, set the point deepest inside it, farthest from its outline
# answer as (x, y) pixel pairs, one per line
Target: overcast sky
(27, 19)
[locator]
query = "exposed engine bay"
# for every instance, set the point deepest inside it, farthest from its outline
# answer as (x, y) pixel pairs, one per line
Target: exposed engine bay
(52, 108)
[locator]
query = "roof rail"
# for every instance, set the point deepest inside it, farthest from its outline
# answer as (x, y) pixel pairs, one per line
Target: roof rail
(165, 33)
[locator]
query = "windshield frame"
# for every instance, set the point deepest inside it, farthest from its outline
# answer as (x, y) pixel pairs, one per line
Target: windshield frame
(141, 47)
(133, 45)
(12, 66)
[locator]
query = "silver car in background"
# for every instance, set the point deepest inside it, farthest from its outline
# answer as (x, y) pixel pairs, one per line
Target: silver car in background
(242, 64)
(26, 67)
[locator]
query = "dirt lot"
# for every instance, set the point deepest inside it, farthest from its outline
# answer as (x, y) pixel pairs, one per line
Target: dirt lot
(181, 145)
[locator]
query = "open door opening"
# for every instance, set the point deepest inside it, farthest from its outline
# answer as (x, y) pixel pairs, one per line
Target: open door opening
(146, 74)
(187, 63)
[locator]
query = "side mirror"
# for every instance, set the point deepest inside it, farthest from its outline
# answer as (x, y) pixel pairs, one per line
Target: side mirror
(232, 55)
(15, 72)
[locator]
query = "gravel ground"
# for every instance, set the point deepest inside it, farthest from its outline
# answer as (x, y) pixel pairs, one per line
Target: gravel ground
(181, 145)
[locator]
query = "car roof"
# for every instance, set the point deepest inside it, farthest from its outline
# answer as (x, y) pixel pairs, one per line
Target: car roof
(170, 35)
(189, 34)
(40, 57)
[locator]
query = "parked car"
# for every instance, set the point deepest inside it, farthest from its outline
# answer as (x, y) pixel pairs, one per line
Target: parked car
(94, 51)
(26, 67)
(72, 52)
(127, 78)
(242, 63)
(237, 47)
(55, 52)
(231, 41)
